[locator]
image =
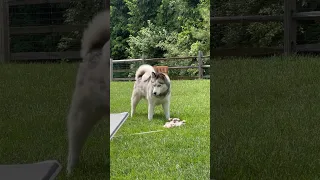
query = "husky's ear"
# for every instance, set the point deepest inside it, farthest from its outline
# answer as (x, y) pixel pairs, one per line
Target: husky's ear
(153, 75)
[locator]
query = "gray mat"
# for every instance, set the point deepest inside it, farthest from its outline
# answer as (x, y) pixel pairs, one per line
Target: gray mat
(45, 170)
(116, 121)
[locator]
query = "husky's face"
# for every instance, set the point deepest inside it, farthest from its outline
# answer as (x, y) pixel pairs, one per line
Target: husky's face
(159, 84)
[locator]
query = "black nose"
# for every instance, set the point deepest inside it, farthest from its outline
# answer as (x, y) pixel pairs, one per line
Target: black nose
(155, 93)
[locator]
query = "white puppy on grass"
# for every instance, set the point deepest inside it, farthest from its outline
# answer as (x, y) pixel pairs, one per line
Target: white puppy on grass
(91, 98)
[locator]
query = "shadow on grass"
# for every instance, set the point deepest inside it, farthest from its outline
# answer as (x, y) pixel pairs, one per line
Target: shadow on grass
(156, 116)
(145, 116)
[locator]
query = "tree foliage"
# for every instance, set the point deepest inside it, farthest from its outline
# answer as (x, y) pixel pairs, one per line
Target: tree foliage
(174, 28)
(258, 34)
(161, 28)
(79, 12)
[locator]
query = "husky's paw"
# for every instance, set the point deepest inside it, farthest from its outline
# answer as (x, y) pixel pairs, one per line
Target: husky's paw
(150, 116)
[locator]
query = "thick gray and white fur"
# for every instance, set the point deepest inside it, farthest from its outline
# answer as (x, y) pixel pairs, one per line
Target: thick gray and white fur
(154, 87)
(90, 101)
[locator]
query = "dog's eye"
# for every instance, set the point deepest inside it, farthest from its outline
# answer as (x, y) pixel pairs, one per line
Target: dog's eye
(159, 85)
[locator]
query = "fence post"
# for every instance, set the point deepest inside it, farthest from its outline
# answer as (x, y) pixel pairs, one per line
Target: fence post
(143, 58)
(106, 4)
(111, 69)
(200, 63)
(4, 31)
(290, 27)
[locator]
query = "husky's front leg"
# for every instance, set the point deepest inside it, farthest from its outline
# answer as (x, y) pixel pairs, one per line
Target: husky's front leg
(150, 110)
(135, 98)
(166, 109)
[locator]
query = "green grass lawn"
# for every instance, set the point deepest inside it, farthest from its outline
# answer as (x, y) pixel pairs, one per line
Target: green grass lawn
(174, 153)
(34, 104)
(266, 118)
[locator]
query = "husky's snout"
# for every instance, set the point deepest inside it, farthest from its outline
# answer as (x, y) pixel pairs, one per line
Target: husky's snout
(156, 91)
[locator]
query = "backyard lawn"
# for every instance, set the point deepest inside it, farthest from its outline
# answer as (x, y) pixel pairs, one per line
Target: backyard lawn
(174, 153)
(35, 100)
(265, 118)
(264, 123)
(34, 104)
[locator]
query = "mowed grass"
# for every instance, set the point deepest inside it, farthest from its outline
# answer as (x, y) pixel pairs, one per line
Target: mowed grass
(35, 100)
(174, 153)
(266, 118)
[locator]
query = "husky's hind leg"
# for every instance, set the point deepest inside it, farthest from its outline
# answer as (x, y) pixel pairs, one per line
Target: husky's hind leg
(135, 99)
(79, 126)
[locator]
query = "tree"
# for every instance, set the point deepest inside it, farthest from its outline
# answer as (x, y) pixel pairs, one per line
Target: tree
(183, 33)
(80, 12)
(140, 12)
(119, 29)
(258, 34)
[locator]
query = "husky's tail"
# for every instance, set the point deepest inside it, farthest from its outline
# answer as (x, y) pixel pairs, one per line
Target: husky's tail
(97, 34)
(144, 70)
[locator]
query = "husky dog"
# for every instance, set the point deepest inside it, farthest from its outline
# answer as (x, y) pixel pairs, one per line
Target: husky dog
(90, 101)
(153, 86)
